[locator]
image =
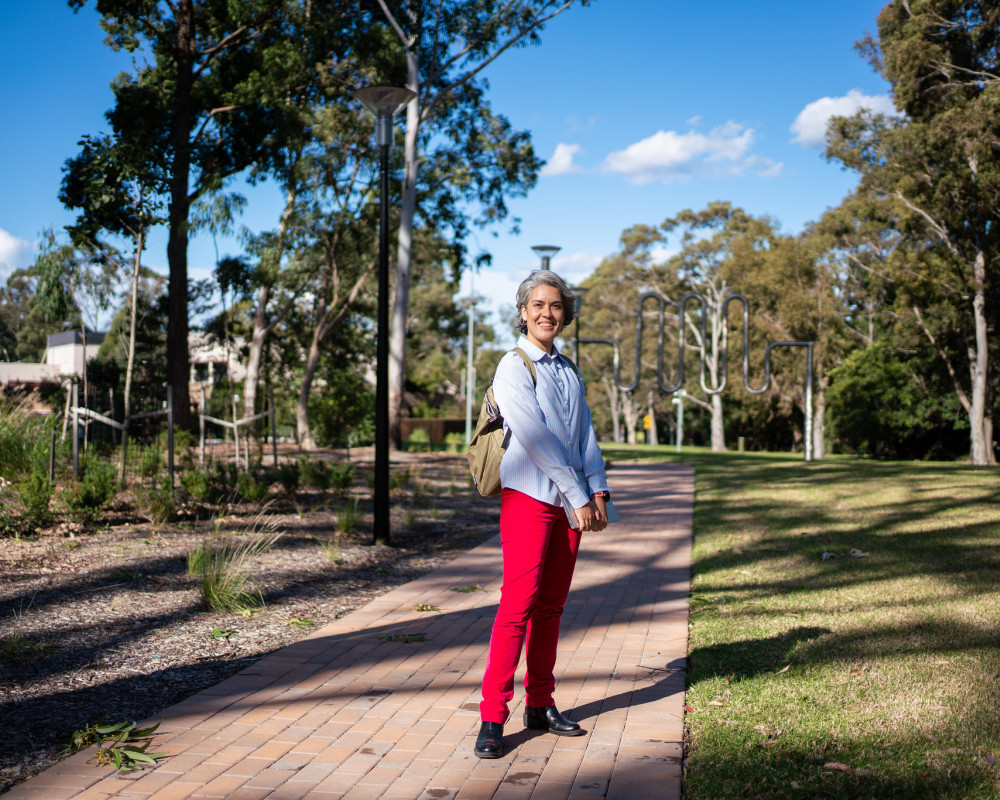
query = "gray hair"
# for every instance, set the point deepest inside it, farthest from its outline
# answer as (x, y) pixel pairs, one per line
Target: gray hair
(545, 277)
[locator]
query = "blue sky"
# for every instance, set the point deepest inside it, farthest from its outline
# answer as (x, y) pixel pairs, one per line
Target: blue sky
(641, 107)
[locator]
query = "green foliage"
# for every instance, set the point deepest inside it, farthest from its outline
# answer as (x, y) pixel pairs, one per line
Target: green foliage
(150, 461)
(301, 622)
(197, 483)
(419, 441)
(455, 442)
(251, 489)
(289, 476)
(96, 488)
(158, 503)
(880, 405)
(122, 745)
(347, 516)
(35, 494)
(342, 475)
(315, 474)
(332, 549)
(223, 570)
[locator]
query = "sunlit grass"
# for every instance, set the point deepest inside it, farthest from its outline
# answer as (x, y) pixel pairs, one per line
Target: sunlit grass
(872, 672)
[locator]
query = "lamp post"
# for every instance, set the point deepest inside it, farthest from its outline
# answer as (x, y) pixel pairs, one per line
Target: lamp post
(579, 292)
(470, 369)
(678, 400)
(545, 252)
(384, 102)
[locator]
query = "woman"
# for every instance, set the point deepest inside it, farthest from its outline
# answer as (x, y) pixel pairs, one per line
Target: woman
(551, 473)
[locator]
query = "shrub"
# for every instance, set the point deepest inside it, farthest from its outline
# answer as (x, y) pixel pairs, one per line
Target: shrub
(419, 441)
(150, 461)
(197, 483)
(251, 489)
(455, 442)
(342, 475)
(315, 473)
(35, 494)
(289, 477)
(95, 490)
(157, 504)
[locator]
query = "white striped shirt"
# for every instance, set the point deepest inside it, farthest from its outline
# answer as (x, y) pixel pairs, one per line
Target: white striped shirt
(552, 435)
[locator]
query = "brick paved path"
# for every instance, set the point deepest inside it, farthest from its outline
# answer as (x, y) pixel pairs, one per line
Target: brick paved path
(354, 712)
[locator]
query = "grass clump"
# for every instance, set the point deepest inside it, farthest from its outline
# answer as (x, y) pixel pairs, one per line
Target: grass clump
(159, 503)
(848, 675)
(224, 571)
(347, 516)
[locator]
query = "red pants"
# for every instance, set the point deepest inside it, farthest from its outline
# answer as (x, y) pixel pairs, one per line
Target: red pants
(539, 554)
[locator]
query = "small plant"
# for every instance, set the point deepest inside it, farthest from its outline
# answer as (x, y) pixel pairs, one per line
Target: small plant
(85, 499)
(421, 607)
(300, 622)
(197, 483)
(347, 516)
(150, 461)
(455, 442)
(315, 474)
(419, 441)
(35, 494)
(222, 633)
(121, 745)
(289, 477)
(401, 479)
(225, 584)
(251, 489)
(403, 637)
(342, 474)
(157, 504)
(332, 549)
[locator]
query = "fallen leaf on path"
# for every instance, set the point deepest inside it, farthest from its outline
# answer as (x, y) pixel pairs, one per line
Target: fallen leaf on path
(836, 765)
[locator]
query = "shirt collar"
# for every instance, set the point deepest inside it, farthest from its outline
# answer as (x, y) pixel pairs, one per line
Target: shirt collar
(536, 353)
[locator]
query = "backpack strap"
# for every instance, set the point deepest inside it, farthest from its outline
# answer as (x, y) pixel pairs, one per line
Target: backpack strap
(528, 363)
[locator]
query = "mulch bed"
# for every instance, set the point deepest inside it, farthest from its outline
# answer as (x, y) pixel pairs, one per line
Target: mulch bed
(109, 624)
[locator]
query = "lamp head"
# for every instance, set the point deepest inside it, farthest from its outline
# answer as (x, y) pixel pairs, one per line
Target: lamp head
(384, 102)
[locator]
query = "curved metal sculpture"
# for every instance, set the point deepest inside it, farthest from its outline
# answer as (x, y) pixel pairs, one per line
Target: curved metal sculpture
(723, 357)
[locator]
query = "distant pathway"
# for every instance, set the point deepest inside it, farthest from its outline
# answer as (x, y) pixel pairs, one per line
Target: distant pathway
(356, 712)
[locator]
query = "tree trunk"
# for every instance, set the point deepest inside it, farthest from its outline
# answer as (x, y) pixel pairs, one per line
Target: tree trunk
(979, 365)
(262, 325)
(130, 362)
(306, 440)
(611, 390)
(178, 366)
(404, 257)
(630, 410)
(819, 419)
(651, 433)
(718, 428)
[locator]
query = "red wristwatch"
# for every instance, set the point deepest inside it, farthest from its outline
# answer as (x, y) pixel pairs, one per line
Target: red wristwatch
(605, 495)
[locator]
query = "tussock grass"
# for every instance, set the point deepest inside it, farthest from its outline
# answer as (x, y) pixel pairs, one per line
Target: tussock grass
(861, 676)
(224, 568)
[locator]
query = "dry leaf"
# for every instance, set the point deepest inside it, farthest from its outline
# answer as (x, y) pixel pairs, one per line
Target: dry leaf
(688, 709)
(715, 703)
(989, 759)
(855, 553)
(783, 669)
(836, 765)
(737, 551)
(857, 672)
(827, 555)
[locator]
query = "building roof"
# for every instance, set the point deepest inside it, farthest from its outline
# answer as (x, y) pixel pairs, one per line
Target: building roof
(74, 337)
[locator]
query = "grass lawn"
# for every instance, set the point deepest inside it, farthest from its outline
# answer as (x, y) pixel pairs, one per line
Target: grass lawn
(845, 627)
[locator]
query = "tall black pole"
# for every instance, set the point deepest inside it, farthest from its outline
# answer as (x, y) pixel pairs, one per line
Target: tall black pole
(381, 497)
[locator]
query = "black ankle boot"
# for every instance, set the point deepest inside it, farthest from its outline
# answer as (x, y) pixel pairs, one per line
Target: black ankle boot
(549, 719)
(489, 743)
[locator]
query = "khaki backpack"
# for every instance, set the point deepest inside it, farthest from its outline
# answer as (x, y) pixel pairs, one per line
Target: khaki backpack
(489, 442)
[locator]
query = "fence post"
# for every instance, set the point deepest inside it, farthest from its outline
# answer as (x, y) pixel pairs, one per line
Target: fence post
(274, 426)
(170, 434)
(201, 429)
(76, 430)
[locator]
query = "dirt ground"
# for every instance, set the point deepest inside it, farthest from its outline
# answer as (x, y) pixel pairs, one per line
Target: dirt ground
(108, 624)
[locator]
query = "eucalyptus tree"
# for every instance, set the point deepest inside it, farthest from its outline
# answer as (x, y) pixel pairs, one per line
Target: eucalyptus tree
(465, 153)
(204, 107)
(941, 164)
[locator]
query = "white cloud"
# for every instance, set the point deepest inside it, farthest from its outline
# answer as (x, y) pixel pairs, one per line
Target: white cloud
(14, 253)
(561, 162)
(670, 156)
(810, 125)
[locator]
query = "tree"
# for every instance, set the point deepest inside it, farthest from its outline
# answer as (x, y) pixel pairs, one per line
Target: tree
(465, 152)
(941, 164)
(202, 108)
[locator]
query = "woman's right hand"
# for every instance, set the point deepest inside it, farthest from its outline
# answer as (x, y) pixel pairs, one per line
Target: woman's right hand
(590, 518)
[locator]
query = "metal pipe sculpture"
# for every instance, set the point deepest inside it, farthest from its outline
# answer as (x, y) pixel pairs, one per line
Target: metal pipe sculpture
(723, 358)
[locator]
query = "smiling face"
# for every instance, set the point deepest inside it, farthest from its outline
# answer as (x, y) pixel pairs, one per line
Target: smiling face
(544, 316)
